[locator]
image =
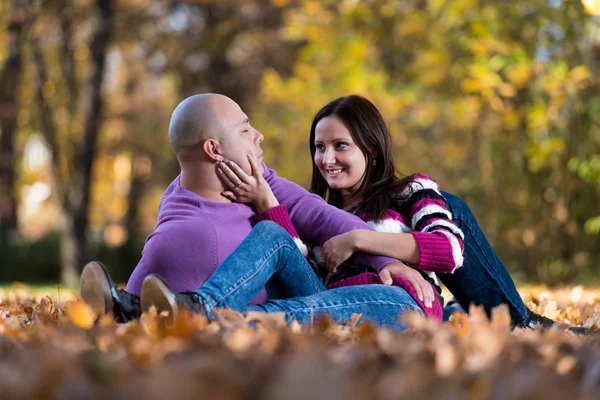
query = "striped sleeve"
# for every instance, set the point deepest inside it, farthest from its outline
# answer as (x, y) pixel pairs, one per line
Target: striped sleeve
(279, 214)
(439, 240)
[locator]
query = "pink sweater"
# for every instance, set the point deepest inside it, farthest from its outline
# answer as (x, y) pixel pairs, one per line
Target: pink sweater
(425, 216)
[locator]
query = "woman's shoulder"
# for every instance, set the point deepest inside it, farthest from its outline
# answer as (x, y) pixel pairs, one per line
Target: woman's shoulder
(418, 182)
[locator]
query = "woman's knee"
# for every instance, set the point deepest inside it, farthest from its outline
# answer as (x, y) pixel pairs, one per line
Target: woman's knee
(457, 206)
(270, 230)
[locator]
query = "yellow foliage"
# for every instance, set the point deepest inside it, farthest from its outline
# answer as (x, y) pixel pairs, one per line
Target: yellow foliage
(279, 3)
(592, 6)
(519, 75)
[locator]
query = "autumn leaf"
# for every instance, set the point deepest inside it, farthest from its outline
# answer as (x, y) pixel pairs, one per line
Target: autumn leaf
(81, 315)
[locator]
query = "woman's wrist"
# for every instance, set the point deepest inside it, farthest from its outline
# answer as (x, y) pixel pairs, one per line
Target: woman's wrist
(264, 205)
(356, 239)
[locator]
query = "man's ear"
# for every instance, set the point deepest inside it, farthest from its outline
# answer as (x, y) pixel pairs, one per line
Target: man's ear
(213, 149)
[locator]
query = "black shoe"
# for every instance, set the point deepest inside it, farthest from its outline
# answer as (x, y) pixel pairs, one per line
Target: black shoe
(100, 293)
(535, 320)
(157, 292)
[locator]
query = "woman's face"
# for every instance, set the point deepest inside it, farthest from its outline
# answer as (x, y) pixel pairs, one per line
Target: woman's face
(341, 162)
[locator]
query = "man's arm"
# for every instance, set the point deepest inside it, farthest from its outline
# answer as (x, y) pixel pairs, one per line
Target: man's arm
(315, 220)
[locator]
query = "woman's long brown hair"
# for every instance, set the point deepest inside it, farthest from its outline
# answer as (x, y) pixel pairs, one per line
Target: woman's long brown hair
(381, 188)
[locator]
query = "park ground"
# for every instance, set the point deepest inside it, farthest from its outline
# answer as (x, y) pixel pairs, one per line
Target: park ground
(53, 347)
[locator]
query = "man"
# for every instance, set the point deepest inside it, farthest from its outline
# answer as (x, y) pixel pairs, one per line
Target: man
(199, 228)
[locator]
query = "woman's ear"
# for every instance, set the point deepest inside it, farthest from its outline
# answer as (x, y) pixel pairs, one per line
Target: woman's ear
(374, 155)
(212, 148)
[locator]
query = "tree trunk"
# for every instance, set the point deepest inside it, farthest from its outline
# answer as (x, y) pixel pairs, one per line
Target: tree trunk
(85, 152)
(139, 180)
(74, 193)
(9, 109)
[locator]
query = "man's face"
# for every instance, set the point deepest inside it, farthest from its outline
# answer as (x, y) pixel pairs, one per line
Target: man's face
(239, 137)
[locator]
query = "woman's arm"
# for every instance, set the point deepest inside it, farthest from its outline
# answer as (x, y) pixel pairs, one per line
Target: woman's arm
(402, 246)
(439, 239)
(434, 245)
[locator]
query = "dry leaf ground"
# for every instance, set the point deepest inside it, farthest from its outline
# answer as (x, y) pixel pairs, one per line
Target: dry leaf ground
(57, 349)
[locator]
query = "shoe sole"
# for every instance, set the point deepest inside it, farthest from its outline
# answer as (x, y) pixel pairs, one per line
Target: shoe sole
(155, 292)
(95, 288)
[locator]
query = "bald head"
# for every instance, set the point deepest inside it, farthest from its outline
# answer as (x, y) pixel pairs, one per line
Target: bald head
(197, 118)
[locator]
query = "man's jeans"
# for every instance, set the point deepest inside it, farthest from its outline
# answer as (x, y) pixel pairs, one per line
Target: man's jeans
(268, 257)
(482, 279)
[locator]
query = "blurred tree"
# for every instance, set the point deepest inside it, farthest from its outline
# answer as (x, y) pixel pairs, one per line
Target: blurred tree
(109, 156)
(496, 100)
(10, 71)
(72, 160)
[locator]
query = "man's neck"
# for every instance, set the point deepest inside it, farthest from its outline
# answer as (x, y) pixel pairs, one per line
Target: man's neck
(203, 181)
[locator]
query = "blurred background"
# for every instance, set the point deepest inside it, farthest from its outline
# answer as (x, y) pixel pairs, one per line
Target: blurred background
(499, 101)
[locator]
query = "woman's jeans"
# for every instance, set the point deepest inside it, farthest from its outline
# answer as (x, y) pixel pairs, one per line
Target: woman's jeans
(482, 279)
(269, 258)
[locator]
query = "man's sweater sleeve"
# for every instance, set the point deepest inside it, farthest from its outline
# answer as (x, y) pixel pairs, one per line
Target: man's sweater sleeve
(315, 220)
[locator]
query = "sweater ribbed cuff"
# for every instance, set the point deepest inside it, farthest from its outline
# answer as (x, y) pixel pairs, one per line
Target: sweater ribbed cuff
(278, 214)
(435, 253)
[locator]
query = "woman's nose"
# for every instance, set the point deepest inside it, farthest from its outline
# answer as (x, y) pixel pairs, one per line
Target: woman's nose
(328, 157)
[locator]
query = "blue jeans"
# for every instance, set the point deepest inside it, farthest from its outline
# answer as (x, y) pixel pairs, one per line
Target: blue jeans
(482, 279)
(269, 258)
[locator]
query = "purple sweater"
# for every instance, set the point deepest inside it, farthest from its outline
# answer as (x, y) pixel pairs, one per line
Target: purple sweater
(194, 235)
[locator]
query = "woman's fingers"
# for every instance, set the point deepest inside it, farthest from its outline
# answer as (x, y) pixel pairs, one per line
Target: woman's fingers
(235, 173)
(325, 260)
(230, 195)
(386, 277)
(225, 178)
(429, 296)
(328, 262)
(426, 291)
(418, 289)
(254, 165)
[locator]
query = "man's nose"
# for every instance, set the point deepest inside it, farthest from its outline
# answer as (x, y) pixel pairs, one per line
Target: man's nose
(259, 136)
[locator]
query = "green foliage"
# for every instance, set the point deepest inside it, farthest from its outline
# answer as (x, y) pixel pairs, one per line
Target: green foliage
(39, 261)
(31, 261)
(490, 98)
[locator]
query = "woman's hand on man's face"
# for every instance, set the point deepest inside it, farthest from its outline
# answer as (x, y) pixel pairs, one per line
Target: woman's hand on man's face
(338, 249)
(423, 288)
(244, 188)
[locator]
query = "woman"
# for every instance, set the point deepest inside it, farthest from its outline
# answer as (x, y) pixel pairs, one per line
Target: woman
(434, 231)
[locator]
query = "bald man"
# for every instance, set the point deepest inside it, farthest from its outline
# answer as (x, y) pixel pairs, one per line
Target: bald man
(209, 252)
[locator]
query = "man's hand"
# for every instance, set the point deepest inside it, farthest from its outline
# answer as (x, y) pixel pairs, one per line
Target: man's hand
(338, 249)
(422, 287)
(244, 188)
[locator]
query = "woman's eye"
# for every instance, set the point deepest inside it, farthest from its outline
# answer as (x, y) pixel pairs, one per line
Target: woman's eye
(319, 147)
(342, 145)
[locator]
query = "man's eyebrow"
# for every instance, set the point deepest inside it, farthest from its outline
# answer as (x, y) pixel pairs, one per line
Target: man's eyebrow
(245, 121)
